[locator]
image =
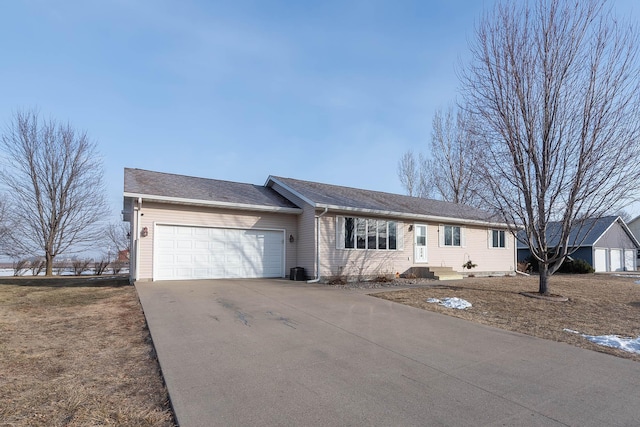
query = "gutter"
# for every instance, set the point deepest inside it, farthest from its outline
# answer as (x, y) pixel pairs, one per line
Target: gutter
(137, 241)
(317, 279)
(431, 218)
(214, 203)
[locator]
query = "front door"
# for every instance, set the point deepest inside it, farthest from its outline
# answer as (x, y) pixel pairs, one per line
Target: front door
(420, 244)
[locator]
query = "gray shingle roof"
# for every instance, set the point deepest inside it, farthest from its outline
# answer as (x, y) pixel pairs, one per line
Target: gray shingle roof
(359, 199)
(144, 182)
(584, 233)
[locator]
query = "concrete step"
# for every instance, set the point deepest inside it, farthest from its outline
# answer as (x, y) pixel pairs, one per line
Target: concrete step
(436, 273)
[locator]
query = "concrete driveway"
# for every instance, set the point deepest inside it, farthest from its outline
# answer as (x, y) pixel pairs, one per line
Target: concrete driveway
(276, 352)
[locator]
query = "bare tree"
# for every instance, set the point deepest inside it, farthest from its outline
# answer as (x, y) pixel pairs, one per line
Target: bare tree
(554, 89)
(412, 173)
(55, 189)
(118, 236)
(449, 173)
(4, 224)
(626, 216)
(455, 155)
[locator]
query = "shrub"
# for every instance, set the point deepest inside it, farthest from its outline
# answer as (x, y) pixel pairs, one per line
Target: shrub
(577, 266)
(99, 267)
(19, 267)
(37, 266)
(80, 266)
(116, 266)
(469, 265)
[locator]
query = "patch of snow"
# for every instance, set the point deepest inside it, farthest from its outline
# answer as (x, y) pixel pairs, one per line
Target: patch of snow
(628, 344)
(635, 276)
(637, 282)
(6, 272)
(453, 302)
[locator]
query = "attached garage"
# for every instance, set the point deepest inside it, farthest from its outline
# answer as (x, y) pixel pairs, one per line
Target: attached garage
(187, 252)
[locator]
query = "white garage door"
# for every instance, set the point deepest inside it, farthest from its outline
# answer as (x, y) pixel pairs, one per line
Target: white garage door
(600, 263)
(183, 253)
(616, 260)
(630, 260)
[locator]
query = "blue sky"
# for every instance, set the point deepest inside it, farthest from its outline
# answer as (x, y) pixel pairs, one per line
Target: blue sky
(331, 91)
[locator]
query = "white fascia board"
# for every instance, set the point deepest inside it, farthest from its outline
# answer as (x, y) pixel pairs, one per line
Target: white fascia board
(214, 204)
(432, 218)
(291, 190)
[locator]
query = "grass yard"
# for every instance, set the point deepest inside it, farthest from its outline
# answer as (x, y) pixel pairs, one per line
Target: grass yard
(76, 352)
(598, 305)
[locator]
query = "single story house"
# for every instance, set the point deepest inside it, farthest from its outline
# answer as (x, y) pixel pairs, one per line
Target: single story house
(605, 243)
(185, 227)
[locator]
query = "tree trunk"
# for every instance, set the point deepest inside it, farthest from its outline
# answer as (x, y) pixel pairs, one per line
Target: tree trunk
(544, 279)
(49, 262)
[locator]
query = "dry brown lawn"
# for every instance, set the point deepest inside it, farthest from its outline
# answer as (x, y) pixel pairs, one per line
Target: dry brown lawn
(77, 352)
(598, 305)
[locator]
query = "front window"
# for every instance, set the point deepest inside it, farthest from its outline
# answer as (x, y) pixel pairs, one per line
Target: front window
(361, 233)
(451, 235)
(498, 239)
(382, 234)
(349, 233)
(372, 234)
(392, 234)
(364, 233)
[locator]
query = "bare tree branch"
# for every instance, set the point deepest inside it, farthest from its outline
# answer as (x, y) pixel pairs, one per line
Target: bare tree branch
(449, 174)
(553, 89)
(55, 189)
(118, 236)
(413, 174)
(454, 152)
(408, 173)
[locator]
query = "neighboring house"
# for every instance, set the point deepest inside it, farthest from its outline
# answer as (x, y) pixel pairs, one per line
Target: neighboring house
(634, 226)
(123, 255)
(195, 228)
(605, 243)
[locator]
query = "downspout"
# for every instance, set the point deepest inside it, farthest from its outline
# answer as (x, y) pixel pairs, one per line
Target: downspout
(137, 241)
(515, 250)
(317, 279)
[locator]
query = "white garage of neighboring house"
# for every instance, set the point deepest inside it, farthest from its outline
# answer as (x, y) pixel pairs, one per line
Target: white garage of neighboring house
(606, 243)
(614, 259)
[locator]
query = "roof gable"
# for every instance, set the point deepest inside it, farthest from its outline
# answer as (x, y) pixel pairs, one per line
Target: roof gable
(583, 233)
(347, 198)
(187, 189)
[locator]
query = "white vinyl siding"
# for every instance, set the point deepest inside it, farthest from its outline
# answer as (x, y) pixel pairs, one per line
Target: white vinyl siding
(355, 263)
